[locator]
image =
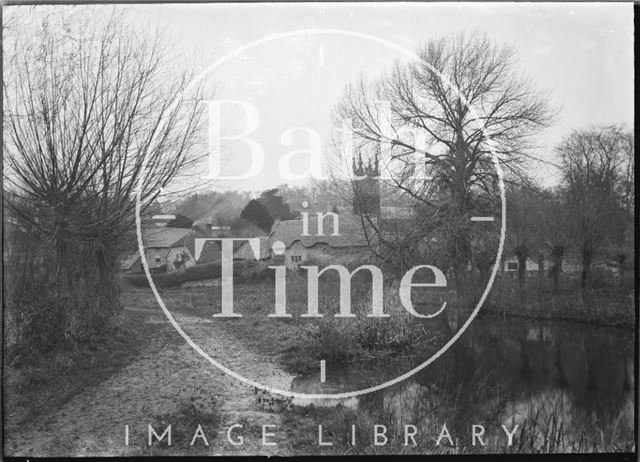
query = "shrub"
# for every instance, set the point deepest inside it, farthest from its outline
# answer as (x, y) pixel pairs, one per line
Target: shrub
(56, 299)
(342, 340)
(202, 272)
(333, 340)
(397, 332)
(161, 280)
(252, 271)
(159, 269)
(184, 420)
(602, 277)
(249, 271)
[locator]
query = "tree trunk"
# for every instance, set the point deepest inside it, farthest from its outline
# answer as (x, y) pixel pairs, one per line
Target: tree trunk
(483, 269)
(461, 255)
(461, 201)
(445, 326)
(540, 271)
(587, 260)
(557, 253)
(461, 280)
(521, 255)
(109, 290)
(622, 258)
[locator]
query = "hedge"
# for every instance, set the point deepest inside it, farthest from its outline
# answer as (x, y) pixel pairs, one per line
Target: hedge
(243, 272)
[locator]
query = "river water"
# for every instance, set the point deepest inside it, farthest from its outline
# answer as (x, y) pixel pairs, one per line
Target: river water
(573, 377)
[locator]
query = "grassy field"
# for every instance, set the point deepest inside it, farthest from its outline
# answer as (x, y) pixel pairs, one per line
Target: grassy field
(296, 342)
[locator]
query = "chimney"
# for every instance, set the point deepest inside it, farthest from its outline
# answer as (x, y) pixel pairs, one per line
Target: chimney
(208, 228)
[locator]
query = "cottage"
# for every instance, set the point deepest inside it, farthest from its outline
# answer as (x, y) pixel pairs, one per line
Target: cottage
(165, 249)
(331, 247)
(511, 265)
(571, 264)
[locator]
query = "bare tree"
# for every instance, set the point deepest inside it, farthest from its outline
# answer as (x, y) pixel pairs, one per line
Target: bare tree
(597, 169)
(87, 100)
(621, 238)
(523, 225)
(555, 231)
(427, 128)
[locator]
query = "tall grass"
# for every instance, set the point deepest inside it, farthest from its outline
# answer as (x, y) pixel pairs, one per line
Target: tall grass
(362, 336)
(550, 427)
(53, 304)
(184, 421)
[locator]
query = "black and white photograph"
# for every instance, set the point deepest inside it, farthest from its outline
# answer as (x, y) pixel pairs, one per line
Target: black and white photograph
(318, 228)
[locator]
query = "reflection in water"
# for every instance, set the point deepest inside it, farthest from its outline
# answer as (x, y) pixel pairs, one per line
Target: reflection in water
(574, 379)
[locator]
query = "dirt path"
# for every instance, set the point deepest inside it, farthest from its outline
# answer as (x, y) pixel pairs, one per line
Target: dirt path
(168, 373)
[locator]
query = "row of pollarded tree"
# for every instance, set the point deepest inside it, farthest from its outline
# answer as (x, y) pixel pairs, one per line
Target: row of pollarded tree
(448, 116)
(590, 213)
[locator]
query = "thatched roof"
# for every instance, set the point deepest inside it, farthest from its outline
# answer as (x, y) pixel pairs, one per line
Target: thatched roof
(161, 237)
(350, 229)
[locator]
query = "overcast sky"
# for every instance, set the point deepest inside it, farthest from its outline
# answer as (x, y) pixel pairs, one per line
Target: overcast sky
(582, 53)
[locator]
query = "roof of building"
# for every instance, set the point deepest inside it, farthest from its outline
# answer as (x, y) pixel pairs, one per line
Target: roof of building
(165, 237)
(129, 260)
(210, 252)
(351, 232)
(245, 251)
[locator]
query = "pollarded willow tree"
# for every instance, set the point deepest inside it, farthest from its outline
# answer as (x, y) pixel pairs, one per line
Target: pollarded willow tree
(437, 120)
(555, 232)
(86, 98)
(523, 225)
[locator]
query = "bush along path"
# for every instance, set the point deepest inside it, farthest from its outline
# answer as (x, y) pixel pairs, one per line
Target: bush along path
(167, 384)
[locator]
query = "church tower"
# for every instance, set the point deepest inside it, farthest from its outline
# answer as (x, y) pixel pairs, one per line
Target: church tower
(366, 188)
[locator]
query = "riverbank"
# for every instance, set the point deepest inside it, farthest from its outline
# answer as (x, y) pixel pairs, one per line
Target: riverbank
(568, 386)
(605, 306)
